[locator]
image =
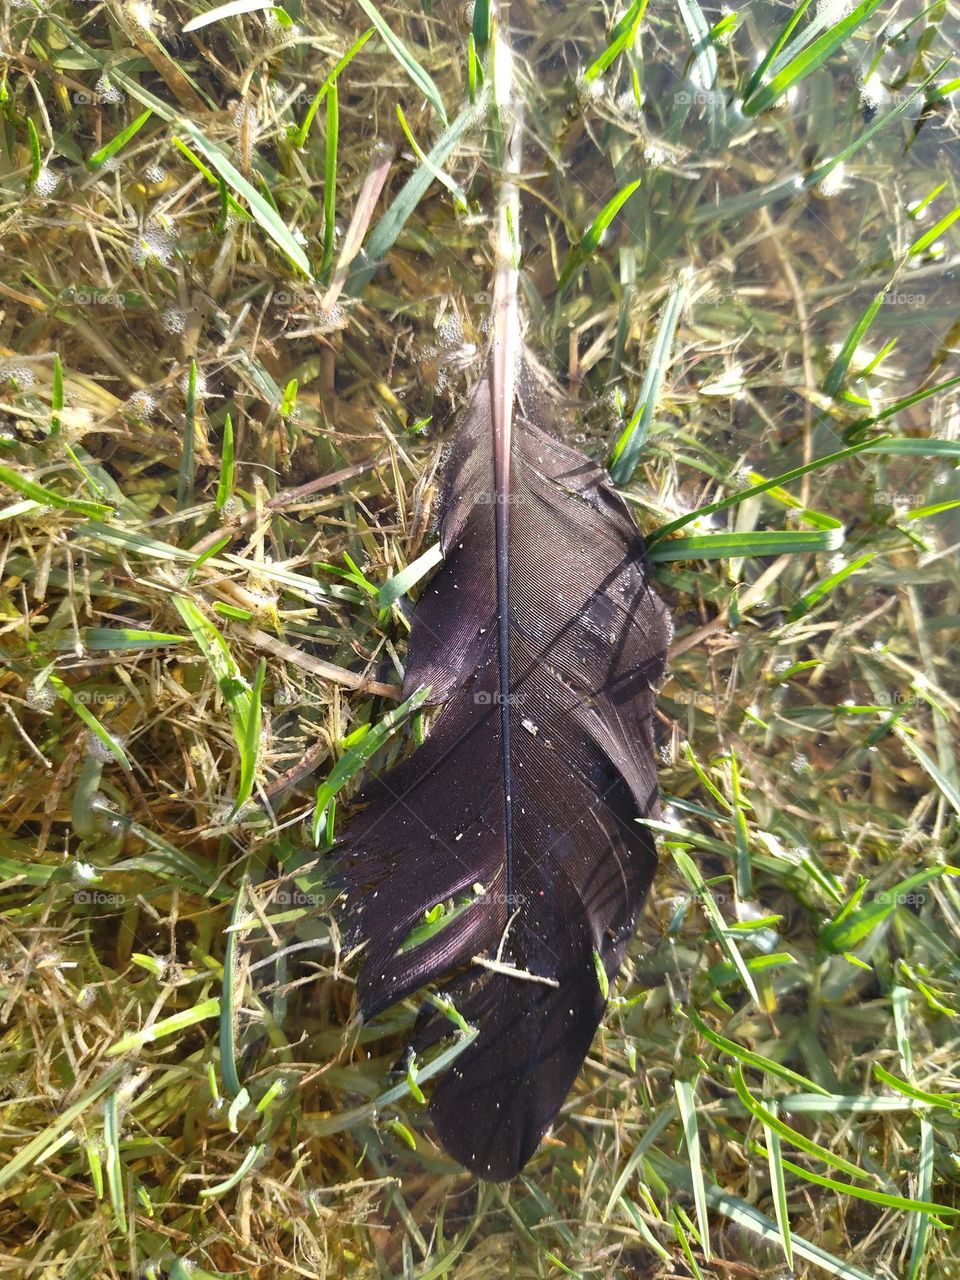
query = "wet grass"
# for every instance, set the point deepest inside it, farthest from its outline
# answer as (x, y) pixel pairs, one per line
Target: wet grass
(220, 430)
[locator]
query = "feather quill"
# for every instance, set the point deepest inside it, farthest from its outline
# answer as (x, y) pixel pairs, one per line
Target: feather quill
(543, 643)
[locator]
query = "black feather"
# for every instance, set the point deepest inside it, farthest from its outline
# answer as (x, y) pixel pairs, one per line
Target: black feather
(543, 642)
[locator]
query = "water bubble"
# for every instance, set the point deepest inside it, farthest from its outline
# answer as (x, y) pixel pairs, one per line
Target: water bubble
(589, 91)
(100, 803)
(107, 92)
(174, 320)
(201, 385)
(832, 184)
(155, 243)
(832, 11)
(97, 747)
(450, 330)
(141, 405)
(40, 696)
(873, 92)
(47, 181)
(628, 106)
(245, 119)
(21, 375)
(142, 14)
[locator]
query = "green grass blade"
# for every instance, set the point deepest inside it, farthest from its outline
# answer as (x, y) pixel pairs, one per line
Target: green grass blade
(760, 486)
(621, 37)
(590, 242)
(795, 1139)
(481, 26)
(748, 1218)
(36, 155)
(90, 720)
(56, 398)
(171, 1026)
(866, 1193)
(415, 572)
(751, 1059)
(260, 208)
(808, 59)
(185, 480)
(935, 232)
(918, 446)
(117, 143)
(779, 1186)
(49, 497)
(417, 74)
(232, 999)
(459, 196)
(704, 71)
(686, 1101)
(688, 869)
(358, 755)
(113, 1161)
(856, 922)
(921, 1229)
(810, 599)
(384, 235)
(713, 546)
(228, 204)
(330, 177)
(227, 466)
(300, 135)
(944, 784)
(950, 1102)
(775, 48)
(838, 370)
(241, 1171)
(242, 701)
(28, 1154)
(744, 872)
(626, 453)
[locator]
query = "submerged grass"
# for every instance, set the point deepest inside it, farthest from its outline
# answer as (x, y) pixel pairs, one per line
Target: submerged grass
(219, 427)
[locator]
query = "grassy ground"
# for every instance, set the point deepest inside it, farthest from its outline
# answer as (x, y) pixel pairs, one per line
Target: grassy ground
(211, 467)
